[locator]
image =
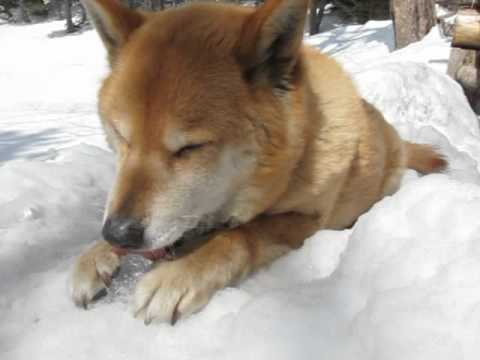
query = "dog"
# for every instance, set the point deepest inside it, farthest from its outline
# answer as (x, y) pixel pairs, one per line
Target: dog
(234, 141)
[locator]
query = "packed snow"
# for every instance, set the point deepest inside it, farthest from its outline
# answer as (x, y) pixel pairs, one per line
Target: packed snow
(402, 284)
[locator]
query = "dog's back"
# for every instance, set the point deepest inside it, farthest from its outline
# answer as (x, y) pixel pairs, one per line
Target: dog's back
(354, 156)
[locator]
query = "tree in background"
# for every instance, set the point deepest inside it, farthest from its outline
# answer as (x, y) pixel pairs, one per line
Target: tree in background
(316, 10)
(350, 11)
(24, 17)
(5, 9)
(75, 15)
(412, 20)
(360, 11)
(68, 16)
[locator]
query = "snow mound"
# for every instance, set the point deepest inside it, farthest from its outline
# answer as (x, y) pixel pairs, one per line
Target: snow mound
(49, 208)
(354, 45)
(426, 107)
(402, 284)
(48, 88)
(406, 287)
(372, 44)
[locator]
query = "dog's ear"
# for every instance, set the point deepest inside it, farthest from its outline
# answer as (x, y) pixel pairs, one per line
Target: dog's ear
(270, 41)
(114, 23)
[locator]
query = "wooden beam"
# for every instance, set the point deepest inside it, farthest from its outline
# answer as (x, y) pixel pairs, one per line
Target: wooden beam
(466, 33)
(468, 3)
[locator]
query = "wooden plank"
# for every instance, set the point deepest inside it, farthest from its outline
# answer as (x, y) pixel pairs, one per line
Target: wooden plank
(466, 33)
(463, 3)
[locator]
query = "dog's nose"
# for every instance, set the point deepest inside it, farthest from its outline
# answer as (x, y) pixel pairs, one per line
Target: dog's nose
(123, 232)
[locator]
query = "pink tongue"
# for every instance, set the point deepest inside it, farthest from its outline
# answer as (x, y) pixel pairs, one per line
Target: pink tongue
(119, 251)
(152, 255)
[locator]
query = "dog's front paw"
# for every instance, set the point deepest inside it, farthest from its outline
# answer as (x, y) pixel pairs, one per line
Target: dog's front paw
(172, 290)
(92, 273)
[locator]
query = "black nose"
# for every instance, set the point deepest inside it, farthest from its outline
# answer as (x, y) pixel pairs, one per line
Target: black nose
(123, 232)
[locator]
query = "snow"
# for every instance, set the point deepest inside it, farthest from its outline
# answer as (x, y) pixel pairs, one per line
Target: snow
(355, 46)
(48, 87)
(402, 284)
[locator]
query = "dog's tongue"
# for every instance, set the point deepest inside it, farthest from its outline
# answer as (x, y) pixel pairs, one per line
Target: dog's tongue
(152, 255)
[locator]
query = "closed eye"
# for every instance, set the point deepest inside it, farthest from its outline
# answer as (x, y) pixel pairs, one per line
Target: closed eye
(188, 149)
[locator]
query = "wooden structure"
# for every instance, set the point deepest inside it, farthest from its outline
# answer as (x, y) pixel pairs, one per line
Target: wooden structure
(466, 33)
(464, 64)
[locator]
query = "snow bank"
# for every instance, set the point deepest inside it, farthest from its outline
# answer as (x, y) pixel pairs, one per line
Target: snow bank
(371, 44)
(48, 89)
(402, 284)
(48, 209)
(354, 45)
(426, 107)
(406, 287)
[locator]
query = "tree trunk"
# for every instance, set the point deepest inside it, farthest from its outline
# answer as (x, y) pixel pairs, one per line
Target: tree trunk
(317, 7)
(24, 17)
(379, 10)
(155, 5)
(68, 16)
(412, 20)
(148, 5)
(57, 5)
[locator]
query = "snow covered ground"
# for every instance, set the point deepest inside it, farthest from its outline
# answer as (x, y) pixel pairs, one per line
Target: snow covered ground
(404, 283)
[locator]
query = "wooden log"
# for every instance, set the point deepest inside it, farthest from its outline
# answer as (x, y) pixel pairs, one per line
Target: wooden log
(464, 67)
(466, 33)
(469, 78)
(456, 61)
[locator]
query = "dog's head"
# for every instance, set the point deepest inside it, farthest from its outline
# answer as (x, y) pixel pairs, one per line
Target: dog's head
(202, 109)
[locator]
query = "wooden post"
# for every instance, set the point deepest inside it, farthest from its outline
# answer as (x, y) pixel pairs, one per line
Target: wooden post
(464, 64)
(467, 30)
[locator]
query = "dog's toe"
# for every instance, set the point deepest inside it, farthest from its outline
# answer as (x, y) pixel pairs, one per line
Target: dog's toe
(91, 275)
(169, 292)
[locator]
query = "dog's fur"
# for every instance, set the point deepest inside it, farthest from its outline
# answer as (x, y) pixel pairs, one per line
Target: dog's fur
(219, 115)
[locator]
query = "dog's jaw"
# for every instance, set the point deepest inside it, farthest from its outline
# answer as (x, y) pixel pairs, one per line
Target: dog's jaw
(188, 240)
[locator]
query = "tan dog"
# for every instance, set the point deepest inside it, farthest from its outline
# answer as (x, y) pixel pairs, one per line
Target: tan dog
(227, 128)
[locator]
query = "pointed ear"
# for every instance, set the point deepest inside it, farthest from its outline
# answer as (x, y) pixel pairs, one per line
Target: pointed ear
(114, 22)
(271, 39)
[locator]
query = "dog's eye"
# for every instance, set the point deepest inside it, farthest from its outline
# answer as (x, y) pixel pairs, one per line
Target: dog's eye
(188, 149)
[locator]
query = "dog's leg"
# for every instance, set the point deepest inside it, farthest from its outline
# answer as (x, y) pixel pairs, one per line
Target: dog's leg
(181, 287)
(92, 273)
